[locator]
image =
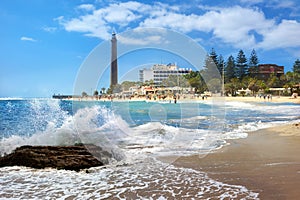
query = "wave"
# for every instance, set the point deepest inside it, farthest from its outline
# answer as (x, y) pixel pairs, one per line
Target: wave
(10, 98)
(54, 122)
(267, 108)
(146, 180)
(58, 127)
(100, 126)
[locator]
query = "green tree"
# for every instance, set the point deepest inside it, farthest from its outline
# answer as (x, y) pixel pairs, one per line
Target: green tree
(232, 86)
(125, 85)
(213, 55)
(210, 70)
(229, 69)
(96, 93)
(214, 85)
(253, 63)
(148, 82)
(117, 88)
(292, 79)
(196, 81)
(109, 90)
(84, 94)
(273, 81)
(253, 85)
(241, 65)
(114, 89)
(174, 80)
(245, 82)
(103, 90)
(261, 85)
(296, 66)
(221, 64)
(290, 76)
(289, 85)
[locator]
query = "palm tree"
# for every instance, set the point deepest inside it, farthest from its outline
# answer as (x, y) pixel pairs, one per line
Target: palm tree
(261, 85)
(84, 94)
(253, 86)
(233, 86)
(103, 90)
(96, 93)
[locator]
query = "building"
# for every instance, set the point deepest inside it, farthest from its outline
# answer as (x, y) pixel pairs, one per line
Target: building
(114, 61)
(264, 71)
(160, 72)
(146, 75)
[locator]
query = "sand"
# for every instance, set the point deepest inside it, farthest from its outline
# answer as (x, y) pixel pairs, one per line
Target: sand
(274, 99)
(267, 162)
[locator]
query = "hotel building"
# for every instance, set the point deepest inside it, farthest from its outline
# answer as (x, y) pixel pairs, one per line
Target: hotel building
(160, 72)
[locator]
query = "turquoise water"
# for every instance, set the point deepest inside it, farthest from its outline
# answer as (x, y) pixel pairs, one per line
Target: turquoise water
(136, 133)
(33, 120)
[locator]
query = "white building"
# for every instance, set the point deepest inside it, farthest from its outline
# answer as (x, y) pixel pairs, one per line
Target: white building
(146, 75)
(160, 72)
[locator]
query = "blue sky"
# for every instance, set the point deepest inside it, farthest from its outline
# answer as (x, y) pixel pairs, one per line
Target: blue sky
(44, 43)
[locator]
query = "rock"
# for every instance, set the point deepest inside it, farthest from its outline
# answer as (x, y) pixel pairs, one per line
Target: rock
(75, 157)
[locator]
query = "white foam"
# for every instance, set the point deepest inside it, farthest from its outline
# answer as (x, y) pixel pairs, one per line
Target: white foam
(149, 179)
(271, 108)
(81, 127)
(10, 98)
(238, 104)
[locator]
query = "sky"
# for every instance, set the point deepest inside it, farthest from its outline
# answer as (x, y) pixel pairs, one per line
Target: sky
(44, 44)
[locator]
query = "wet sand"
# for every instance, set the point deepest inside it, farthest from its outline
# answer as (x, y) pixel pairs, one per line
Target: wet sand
(266, 162)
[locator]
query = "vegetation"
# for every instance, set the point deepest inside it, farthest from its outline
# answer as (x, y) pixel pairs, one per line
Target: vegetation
(241, 73)
(238, 73)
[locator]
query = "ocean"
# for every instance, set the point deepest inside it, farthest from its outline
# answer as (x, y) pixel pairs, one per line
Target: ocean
(137, 133)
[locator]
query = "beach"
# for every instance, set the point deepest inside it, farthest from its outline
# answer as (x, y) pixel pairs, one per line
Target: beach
(267, 162)
(274, 99)
(192, 98)
(246, 160)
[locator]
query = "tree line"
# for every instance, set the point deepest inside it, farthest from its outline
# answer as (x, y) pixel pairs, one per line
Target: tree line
(241, 72)
(237, 73)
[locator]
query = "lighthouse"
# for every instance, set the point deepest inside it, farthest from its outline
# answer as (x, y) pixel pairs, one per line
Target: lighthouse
(114, 61)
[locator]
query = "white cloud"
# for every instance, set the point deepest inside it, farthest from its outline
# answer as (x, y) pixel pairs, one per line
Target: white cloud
(118, 14)
(225, 24)
(140, 41)
(236, 26)
(144, 36)
(86, 7)
(49, 29)
(91, 25)
(100, 22)
(59, 19)
(28, 39)
(285, 35)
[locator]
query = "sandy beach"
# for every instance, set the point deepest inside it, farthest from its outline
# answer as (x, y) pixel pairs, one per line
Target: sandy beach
(267, 162)
(274, 99)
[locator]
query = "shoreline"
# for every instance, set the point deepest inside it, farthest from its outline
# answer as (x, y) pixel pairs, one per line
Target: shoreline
(274, 99)
(267, 162)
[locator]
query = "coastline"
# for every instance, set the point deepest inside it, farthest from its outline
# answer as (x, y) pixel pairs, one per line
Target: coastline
(267, 162)
(257, 164)
(274, 99)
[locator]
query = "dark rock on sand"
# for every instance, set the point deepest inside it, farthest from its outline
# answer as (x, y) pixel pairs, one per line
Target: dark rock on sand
(75, 157)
